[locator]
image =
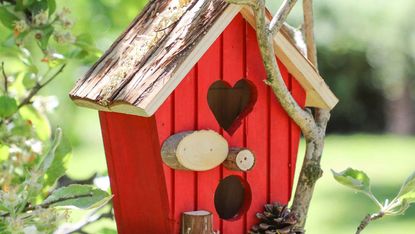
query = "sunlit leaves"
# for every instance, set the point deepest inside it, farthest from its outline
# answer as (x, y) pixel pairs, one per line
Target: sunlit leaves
(60, 162)
(4, 152)
(38, 120)
(407, 191)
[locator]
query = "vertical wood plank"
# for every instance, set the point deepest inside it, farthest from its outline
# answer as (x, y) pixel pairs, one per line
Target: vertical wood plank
(233, 71)
(184, 120)
(257, 130)
(129, 166)
(209, 71)
(164, 118)
(300, 96)
(280, 148)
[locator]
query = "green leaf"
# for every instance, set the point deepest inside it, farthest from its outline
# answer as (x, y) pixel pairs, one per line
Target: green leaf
(7, 18)
(51, 6)
(46, 34)
(4, 152)
(38, 120)
(39, 5)
(354, 179)
(60, 163)
(23, 4)
(407, 191)
(50, 157)
(80, 196)
(29, 80)
(8, 106)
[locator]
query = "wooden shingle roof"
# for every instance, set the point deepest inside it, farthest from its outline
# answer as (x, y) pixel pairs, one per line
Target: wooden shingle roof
(148, 61)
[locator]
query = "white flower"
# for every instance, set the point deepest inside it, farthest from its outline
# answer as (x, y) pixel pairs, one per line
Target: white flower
(30, 230)
(40, 18)
(20, 26)
(46, 104)
(64, 37)
(35, 146)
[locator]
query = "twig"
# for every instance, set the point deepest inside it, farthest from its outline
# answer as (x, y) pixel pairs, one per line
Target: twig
(89, 219)
(48, 204)
(369, 218)
(6, 83)
(309, 31)
(281, 15)
(38, 87)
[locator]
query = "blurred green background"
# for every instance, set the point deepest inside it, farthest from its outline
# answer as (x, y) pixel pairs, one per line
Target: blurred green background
(367, 55)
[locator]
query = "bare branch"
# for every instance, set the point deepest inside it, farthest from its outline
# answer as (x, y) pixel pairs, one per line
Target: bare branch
(6, 84)
(309, 31)
(49, 204)
(369, 218)
(281, 15)
(274, 79)
(38, 87)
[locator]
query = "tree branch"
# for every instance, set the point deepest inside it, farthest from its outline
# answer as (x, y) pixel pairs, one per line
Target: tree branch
(274, 79)
(47, 205)
(38, 87)
(312, 126)
(311, 170)
(309, 31)
(281, 15)
(369, 218)
(6, 83)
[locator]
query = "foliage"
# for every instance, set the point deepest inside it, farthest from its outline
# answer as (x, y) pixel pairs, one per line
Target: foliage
(30, 162)
(359, 181)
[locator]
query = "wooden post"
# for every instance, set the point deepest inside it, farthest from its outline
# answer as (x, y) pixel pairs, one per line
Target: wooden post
(197, 222)
(194, 150)
(239, 159)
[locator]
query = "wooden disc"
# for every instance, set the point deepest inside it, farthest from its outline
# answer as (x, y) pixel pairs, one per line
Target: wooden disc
(202, 150)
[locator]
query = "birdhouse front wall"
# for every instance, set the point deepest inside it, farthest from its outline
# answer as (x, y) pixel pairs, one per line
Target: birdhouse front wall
(266, 130)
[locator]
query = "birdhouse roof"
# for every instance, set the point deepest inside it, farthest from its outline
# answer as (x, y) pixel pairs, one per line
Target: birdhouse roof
(148, 61)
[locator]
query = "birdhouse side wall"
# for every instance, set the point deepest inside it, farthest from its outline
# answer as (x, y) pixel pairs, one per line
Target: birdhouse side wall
(266, 130)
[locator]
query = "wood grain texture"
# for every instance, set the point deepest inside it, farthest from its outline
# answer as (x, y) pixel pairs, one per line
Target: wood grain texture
(148, 61)
(185, 115)
(141, 205)
(233, 68)
(257, 130)
(208, 71)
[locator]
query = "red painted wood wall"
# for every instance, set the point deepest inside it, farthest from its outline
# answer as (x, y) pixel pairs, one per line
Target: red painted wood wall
(149, 197)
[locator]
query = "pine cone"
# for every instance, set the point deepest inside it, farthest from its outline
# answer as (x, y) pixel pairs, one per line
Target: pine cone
(276, 219)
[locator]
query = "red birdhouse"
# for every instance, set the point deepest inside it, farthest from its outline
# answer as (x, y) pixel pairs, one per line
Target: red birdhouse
(187, 121)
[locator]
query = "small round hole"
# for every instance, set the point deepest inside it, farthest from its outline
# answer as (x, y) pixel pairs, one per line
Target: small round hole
(232, 197)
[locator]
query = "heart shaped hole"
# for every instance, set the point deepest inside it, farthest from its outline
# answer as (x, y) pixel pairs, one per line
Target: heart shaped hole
(229, 104)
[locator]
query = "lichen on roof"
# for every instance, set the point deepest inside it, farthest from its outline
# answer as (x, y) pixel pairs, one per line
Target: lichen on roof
(141, 45)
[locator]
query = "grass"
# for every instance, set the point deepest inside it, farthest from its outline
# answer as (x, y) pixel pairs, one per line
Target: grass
(387, 159)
